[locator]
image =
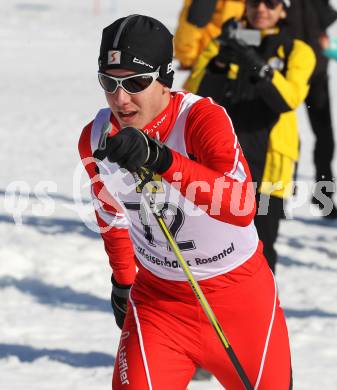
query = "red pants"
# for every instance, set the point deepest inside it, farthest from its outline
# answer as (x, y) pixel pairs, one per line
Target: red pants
(166, 333)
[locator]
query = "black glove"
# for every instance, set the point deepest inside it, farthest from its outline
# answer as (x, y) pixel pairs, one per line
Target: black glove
(221, 61)
(248, 57)
(132, 149)
(228, 31)
(226, 54)
(119, 301)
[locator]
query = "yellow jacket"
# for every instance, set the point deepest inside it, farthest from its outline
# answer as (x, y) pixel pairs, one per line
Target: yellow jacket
(190, 40)
(292, 85)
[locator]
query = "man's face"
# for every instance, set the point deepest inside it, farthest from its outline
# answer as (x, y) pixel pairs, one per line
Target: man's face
(139, 109)
(262, 17)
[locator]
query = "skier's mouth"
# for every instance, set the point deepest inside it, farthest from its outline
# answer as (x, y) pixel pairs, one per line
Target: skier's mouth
(126, 114)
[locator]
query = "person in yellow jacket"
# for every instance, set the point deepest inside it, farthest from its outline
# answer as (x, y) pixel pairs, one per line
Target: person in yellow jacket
(199, 22)
(260, 87)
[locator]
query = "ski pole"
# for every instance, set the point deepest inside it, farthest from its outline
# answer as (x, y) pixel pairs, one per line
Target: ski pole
(157, 213)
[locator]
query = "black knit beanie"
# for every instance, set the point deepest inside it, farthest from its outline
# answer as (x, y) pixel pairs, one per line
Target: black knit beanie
(139, 43)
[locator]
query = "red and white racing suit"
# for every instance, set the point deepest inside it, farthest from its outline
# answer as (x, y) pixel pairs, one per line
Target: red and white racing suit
(208, 203)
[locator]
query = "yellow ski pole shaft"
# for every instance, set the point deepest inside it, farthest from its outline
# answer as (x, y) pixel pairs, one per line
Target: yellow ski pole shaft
(150, 189)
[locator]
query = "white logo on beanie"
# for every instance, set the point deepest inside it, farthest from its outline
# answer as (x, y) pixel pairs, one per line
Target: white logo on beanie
(169, 68)
(141, 62)
(114, 57)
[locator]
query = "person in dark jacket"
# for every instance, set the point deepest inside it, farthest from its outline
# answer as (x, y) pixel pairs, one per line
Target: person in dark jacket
(308, 20)
(260, 87)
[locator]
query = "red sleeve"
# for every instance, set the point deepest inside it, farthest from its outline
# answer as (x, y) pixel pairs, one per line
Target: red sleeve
(218, 180)
(110, 218)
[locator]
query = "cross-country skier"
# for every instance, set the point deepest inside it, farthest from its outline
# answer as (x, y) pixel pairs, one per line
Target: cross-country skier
(203, 187)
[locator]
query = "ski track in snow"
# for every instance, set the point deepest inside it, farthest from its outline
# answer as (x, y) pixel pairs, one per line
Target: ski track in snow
(57, 329)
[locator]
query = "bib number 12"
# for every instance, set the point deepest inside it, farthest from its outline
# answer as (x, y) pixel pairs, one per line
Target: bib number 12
(174, 227)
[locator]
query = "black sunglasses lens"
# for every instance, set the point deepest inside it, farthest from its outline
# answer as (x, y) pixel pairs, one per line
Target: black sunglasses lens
(107, 83)
(137, 83)
(271, 4)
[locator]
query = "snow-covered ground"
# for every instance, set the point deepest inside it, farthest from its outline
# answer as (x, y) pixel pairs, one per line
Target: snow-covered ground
(56, 326)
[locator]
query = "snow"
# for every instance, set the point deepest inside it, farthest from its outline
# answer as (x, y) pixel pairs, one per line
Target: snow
(57, 330)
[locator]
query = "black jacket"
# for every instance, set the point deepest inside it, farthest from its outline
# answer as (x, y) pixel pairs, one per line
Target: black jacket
(307, 20)
(254, 108)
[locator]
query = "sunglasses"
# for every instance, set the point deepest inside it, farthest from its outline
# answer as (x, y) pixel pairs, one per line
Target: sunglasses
(271, 4)
(131, 84)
